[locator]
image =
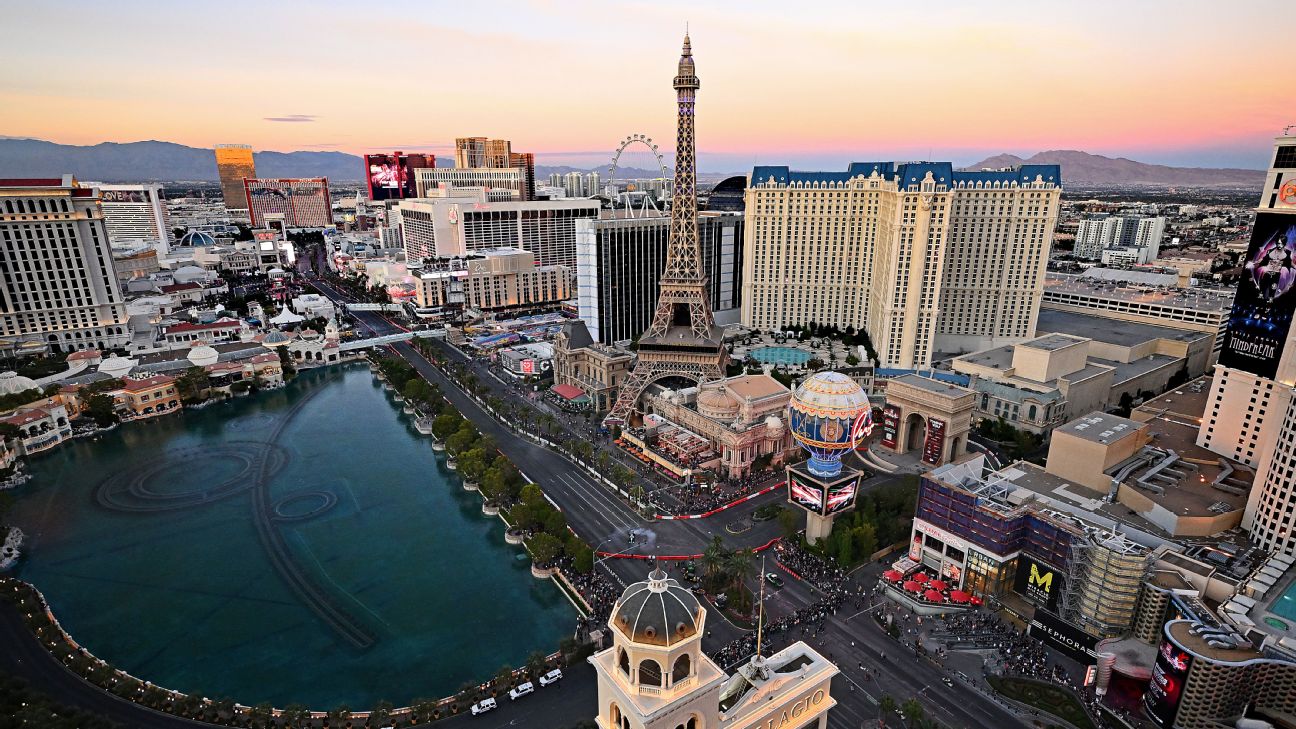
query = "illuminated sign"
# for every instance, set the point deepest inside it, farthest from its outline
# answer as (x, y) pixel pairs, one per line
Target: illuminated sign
(824, 499)
(890, 425)
(805, 493)
(1165, 690)
(528, 366)
(862, 427)
(1287, 193)
(1039, 583)
(1057, 633)
(935, 441)
(840, 496)
(125, 196)
(915, 547)
(1262, 309)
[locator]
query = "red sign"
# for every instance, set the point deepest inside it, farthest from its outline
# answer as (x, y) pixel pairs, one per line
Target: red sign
(935, 442)
(528, 366)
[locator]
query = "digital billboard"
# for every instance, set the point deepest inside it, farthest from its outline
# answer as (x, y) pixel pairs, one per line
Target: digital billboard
(840, 496)
(1067, 638)
(1039, 583)
(822, 498)
(890, 425)
(1262, 309)
(391, 176)
(935, 442)
(805, 493)
(1165, 690)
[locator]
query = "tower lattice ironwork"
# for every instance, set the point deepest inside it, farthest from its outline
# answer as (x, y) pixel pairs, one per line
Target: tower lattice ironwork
(683, 339)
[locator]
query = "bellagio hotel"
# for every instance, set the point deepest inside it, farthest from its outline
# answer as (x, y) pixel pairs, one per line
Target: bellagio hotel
(922, 257)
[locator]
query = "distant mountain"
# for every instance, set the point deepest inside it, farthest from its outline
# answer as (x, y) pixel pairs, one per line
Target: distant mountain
(1095, 169)
(153, 161)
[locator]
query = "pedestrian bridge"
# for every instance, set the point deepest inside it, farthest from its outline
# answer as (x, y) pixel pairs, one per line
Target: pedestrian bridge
(374, 307)
(386, 339)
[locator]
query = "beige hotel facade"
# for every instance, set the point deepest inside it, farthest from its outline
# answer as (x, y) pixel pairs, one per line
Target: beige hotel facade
(924, 258)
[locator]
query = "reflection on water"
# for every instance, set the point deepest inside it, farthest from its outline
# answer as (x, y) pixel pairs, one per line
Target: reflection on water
(296, 546)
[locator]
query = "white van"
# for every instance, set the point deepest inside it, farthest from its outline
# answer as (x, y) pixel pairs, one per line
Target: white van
(483, 706)
(522, 690)
(551, 678)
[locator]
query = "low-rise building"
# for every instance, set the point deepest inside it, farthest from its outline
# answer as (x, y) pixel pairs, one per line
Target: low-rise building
(494, 280)
(597, 369)
(527, 360)
(146, 396)
(314, 306)
(186, 334)
(739, 419)
(40, 428)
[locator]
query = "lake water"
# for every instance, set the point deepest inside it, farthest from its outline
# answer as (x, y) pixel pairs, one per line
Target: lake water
(303, 545)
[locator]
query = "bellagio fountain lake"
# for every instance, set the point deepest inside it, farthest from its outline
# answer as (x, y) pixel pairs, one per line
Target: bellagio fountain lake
(302, 545)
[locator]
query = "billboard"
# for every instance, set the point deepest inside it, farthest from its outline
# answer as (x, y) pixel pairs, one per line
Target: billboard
(1038, 582)
(1165, 690)
(1262, 309)
(935, 442)
(822, 498)
(125, 196)
(1067, 638)
(391, 176)
(890, 425)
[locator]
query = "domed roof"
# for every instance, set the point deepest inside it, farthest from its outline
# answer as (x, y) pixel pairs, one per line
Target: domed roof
(716, 403)
(774, 424)
(115, 366)
(657, 612)
(829, 393)
(12, 383)
(198, 238)
(275, 337)
(202, 355)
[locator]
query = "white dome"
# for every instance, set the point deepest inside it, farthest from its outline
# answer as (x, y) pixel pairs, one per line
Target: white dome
(717, 404)
(202, 355)
(115, 366)
(12, 383)
(774, 425)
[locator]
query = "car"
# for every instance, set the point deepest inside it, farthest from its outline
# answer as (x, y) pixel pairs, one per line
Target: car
(483, 706)
(522, 690)
(551, 678)
(946, 680)
(774, 580)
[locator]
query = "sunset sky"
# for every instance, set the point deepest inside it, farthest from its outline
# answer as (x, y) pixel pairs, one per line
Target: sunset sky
(811, 84)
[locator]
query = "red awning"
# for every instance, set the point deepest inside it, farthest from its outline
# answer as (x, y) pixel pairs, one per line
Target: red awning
(568, 392)
(938, 585)
(920, 577)
(912, 586)
(960, 596)
(933, 596)
(892, 575)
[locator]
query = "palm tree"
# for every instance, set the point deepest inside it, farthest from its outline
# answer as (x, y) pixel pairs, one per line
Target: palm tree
(381, 714)
(913, 711)
(739, 565)
(293, 715)
(713, 560)
(504, 677)
(339, 716)
(424, 709)
(536, 665)
(887, 704)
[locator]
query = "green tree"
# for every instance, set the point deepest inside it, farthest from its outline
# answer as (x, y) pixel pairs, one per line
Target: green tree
(536, 665)
(339, 716)
(545, 548)
(193, 384)
(446, 424)
(582, 556)
(887, 704)
(789, 521)
(865, 538)
(739, 566)
(504, 677)
(714, 561)
(913, 711)
(294, 715)
(380, 715)
(462, 439)
(101, 409)
(261, 716)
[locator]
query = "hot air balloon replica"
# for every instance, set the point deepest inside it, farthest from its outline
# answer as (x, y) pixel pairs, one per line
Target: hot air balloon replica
(829, 415)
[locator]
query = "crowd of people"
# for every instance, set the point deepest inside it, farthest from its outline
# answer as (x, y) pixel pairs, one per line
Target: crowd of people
(819, 572)
(598, 592)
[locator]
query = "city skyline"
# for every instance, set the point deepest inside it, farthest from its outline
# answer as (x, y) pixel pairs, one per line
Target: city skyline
(997, 78)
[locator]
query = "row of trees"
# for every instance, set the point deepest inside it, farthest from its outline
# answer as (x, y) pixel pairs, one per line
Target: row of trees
(725, 571)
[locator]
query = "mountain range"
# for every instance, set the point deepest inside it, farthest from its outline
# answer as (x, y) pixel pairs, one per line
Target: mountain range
(167, 161)
(1082, 168)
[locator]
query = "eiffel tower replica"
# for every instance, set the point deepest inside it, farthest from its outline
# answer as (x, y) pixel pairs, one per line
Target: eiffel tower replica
(683, 339)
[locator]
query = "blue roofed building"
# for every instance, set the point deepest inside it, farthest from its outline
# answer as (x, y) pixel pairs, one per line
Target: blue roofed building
(927, 259)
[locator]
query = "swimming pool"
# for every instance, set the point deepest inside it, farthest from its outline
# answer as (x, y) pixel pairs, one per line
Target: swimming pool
(781, 355)
(1285, 605)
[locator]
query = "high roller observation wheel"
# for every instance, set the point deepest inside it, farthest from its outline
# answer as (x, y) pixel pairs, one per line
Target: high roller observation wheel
(630, 141)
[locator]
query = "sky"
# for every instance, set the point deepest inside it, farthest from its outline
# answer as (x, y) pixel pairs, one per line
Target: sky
(810, 84)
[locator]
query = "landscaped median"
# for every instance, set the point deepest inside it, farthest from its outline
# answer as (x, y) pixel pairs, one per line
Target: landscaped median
(1050, 699)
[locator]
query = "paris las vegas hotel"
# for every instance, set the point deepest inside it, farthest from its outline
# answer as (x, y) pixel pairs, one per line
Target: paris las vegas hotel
(923, 257)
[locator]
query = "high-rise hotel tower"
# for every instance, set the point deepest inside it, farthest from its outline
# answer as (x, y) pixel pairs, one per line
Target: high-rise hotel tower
(922, 257)
(1251, 414)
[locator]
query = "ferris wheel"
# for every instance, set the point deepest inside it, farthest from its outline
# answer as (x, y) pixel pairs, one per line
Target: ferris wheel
(631, 196)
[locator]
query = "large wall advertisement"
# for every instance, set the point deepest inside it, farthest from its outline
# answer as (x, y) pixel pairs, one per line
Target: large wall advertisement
(935, 442)
(890, 426)
(840, 496)
(1262, 309)
(1065, 637)
(805, 493)
(125, 196)
(1165, 690)
(391, 176)
(1038, 582)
